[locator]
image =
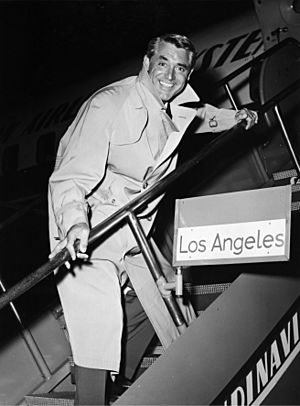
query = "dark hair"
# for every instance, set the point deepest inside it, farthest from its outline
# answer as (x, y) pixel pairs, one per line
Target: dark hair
(180, 41)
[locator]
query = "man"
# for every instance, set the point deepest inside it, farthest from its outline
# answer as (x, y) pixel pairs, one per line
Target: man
(122, 141)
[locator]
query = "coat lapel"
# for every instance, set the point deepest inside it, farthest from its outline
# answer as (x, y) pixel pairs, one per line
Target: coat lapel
(182, 117)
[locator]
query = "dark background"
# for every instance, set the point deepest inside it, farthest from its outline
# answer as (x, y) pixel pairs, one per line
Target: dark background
(46, 45)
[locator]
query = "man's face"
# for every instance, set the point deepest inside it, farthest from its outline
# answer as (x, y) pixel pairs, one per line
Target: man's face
(169, 70)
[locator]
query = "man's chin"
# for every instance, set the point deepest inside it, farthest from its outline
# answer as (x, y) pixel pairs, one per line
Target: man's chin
(166, 97)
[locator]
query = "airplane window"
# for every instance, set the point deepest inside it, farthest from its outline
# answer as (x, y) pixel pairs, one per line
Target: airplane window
(10, 159)
(45, 151)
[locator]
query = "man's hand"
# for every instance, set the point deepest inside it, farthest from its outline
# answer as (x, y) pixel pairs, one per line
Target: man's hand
(79, 232)
(250, 116)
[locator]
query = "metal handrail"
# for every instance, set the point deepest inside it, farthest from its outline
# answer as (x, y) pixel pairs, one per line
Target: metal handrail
(255, 60)
(126, 213)
(121, 215)
(279, 97)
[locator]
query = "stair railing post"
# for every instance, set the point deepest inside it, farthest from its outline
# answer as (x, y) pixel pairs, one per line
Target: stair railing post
(155, 270)
(30, 341)
(286, 136)
(230, 96)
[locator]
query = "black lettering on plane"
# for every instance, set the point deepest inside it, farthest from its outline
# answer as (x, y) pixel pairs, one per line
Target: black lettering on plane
(232, 43)
(243, 51)
(72, 109)
(64, 112)
(208, 56)
(54, 116)
(44, 117)
(259, 46)
(34, 123)
(201, 53)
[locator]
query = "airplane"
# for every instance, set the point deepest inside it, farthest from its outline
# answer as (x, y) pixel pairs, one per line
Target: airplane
(29, 139)
(221, 55)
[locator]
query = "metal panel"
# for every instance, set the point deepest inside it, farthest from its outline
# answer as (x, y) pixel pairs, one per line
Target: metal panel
(20, 372)
(204, 360)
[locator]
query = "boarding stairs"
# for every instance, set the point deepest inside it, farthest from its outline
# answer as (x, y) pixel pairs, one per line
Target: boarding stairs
(218, 296)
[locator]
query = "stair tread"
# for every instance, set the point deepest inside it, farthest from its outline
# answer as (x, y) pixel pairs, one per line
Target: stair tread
(65, 394)
(53, 399)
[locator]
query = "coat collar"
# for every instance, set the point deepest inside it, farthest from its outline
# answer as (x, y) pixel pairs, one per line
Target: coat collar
(182, 106)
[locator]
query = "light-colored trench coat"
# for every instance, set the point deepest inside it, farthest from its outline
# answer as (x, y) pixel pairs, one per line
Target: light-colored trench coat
(105, 154)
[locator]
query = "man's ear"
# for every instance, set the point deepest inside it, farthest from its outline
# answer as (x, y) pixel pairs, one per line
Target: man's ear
(146, 62)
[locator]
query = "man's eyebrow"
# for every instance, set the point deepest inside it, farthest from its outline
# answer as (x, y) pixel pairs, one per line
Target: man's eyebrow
(184, 65)
(163, 57)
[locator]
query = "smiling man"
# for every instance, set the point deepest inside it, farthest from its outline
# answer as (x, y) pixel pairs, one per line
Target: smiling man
(123, 139)
(169, 67)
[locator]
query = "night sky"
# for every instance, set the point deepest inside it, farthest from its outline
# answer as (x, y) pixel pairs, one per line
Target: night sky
(46, 45)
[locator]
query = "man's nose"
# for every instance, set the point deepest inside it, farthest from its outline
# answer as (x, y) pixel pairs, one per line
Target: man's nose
(171, 73)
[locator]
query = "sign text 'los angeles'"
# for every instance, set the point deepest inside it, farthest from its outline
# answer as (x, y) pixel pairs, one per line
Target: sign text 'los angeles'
(232, 241)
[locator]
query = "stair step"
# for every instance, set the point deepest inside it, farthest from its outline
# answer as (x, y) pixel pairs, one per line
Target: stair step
(53, 399)
(287, 174)
(202, 295)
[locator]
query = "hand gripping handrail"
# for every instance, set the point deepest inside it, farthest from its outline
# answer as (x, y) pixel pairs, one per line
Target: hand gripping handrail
(127, 213)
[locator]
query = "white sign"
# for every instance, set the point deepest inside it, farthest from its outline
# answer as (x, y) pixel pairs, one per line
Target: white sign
(228, 241)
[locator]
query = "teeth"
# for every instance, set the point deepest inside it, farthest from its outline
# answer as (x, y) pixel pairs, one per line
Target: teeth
(166, 84)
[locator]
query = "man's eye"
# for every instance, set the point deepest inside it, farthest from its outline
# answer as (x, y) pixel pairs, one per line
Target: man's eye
(162, 64)
(181, 69)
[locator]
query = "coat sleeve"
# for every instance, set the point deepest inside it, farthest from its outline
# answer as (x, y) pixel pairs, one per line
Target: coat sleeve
(80, 164)
(213, 119)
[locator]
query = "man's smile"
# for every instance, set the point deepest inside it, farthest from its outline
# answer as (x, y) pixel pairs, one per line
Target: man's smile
(166, 84)
(169, 69)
